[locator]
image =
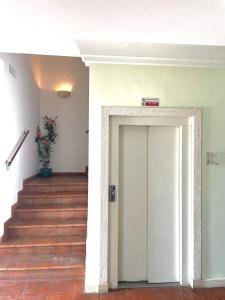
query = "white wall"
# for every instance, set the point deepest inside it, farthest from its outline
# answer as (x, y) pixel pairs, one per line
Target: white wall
(124, 85)
(19, 110)
(71, 149)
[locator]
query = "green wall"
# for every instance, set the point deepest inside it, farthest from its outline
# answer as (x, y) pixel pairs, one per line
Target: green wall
(125, 85)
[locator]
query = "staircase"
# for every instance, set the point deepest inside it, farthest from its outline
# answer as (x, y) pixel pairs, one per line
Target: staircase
(45, 237)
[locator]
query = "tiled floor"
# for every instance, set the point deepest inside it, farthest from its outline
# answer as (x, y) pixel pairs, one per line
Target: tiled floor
(72, 290)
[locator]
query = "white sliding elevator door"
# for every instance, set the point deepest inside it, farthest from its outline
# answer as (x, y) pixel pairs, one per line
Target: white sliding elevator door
(148, 212)
(163, 204)
(133, 207)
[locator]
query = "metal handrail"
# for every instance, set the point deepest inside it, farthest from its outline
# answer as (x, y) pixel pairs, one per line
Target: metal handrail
(16, 148)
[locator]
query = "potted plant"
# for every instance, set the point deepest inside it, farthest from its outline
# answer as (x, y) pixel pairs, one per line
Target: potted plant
(45, 143)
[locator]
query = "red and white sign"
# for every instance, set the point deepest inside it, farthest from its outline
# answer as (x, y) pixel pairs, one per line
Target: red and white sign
(150, 101)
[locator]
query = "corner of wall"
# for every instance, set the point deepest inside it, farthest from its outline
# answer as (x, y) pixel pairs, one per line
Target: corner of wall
(22, 104)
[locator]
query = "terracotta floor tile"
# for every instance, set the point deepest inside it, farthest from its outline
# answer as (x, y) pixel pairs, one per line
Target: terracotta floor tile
(115, 295)
(166, 293)
(196, 294)
(60, 296)
(79, 286)
(82, 296)
(154, 294)
(219, 293)
(17, 275)
(35, 288)
(8, 298)
(61, 286)
(71, 290)
(206, 293)
(11, 288)
(32, 297)
(141, 294)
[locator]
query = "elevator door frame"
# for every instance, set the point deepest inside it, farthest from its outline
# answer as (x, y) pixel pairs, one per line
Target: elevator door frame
(171, 115)
(114, 229)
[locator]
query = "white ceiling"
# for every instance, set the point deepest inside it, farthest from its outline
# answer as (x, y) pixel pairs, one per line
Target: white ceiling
(53, 26)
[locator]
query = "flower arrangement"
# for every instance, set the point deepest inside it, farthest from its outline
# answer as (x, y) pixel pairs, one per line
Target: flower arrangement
(44, 142)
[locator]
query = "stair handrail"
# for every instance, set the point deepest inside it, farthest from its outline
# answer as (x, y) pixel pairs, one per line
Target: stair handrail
(16, 148)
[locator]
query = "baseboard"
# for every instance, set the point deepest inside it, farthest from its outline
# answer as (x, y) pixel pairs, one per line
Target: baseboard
(103, 288)
(29, 178)
(196, 283)
(99, 288)
(68, 173)
(208, 283)
(216, 282)
(56, 174)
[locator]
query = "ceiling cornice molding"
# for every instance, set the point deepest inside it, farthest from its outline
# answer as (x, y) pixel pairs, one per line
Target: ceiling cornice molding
(152, 61)
(103, 52)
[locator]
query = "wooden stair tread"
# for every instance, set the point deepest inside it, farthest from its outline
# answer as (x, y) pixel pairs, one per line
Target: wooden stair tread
(20, 223)
(51, 207)
(53, 194)
(70, 240)
(58, 180)
(41, 262)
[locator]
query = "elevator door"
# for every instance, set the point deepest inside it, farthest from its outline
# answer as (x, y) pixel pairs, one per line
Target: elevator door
(148, 208)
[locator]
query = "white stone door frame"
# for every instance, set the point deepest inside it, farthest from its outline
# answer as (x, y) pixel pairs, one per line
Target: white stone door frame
(195, 116)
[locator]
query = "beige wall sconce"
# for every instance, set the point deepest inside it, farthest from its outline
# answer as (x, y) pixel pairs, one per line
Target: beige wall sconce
(64, 90)
(63, 94)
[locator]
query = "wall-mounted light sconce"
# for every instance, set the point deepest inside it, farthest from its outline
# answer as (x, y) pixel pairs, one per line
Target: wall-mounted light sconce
(63, 94)
(64, 90)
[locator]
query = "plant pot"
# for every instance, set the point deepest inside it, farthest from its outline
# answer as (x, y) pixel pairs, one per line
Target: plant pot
(46, 172)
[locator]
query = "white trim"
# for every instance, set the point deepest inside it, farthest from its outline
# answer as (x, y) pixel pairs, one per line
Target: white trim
(195, 114)
(216, 282)
(180, 203)
(101, 288)
(180, 123)
(196, 284)
(145, 53)
(91, 289)
(152, 61)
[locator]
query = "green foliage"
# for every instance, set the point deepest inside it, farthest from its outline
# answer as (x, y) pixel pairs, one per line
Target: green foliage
(44, 142)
